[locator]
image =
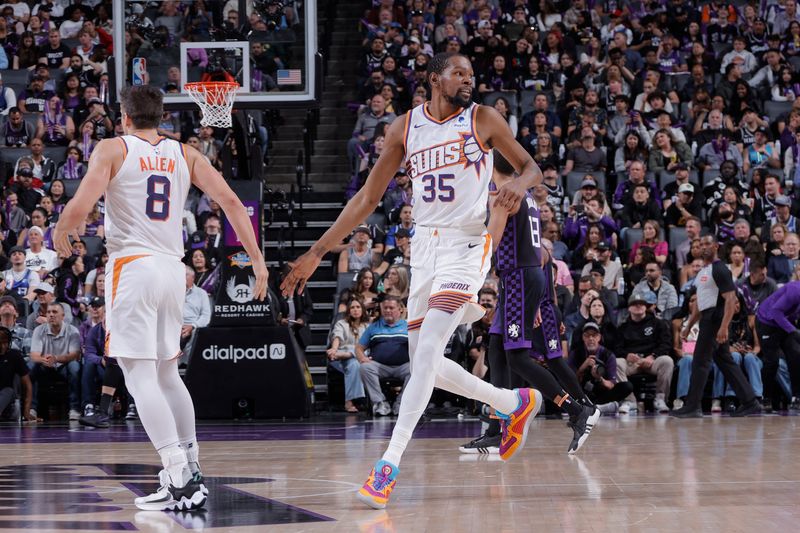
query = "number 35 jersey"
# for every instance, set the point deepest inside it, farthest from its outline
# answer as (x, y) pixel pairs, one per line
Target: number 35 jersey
(145, 199)
(450, 169)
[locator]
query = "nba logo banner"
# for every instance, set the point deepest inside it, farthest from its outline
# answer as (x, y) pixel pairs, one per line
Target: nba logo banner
(139, 71)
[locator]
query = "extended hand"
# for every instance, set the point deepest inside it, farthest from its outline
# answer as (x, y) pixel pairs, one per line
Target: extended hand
(722, 336)
(302, 269)
(262, 276)
(61, 241)
(510, 195)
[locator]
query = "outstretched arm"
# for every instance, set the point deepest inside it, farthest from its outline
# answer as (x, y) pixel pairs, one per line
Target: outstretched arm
(356, 210)
(211, 182)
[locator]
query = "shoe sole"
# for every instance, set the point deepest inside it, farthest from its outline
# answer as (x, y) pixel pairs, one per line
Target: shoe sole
(538, 400)
(491, 450)
(91, 425)
(370, 501)
(590, 423)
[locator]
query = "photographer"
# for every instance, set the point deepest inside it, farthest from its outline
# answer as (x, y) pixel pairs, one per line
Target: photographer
(581, 217)
(596, 368)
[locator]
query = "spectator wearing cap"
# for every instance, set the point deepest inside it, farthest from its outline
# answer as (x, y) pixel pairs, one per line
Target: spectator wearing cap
(596, 368)
(406, 221)
(359, 255)
(399, 255)
(597, 275)
(610, 264)
(582, 217)
(479, 48)
(643, 346)
(56, 350)
(588, 191)
(33, 98)
(683, 207)
(19, 279)
(670, 192)
(38, 258)
(45, 295)
(28, 196)
(9, 316)
(782, 214)
(761, 153)
(400, 194)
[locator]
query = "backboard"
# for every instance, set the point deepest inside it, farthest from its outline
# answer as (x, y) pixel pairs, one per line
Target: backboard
(267, 46)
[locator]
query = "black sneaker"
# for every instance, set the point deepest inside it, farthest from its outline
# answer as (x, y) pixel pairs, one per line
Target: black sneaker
(484, 444)
(582, 426)
(748, 409)
(687, 411)
(186, 498)
(94, 420)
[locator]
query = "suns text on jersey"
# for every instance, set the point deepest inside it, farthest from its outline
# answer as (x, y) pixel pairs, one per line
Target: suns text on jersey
(435, 157)
(158, 164)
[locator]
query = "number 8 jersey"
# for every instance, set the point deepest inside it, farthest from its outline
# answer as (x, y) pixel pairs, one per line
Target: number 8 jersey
(145, 200)
(450, 169)
(521, 243)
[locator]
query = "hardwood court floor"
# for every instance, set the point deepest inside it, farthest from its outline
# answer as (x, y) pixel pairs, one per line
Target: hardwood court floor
(635, 474)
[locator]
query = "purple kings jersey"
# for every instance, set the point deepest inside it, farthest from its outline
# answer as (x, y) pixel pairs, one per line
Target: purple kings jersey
(520, 245)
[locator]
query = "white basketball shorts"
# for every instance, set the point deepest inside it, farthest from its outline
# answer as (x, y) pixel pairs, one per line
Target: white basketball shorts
(448, 268)
(144, 305)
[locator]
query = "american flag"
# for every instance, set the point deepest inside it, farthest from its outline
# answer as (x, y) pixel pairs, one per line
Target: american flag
(289, 77)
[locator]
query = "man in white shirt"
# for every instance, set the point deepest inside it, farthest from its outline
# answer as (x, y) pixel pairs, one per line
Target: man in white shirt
(19, 279)
(37, 257)
(196, 312)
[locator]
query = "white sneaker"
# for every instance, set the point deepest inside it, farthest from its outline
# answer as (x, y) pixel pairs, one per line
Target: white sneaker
(74, 414)
(382, 409)
(608, 409)
(88, 410)
(677, 403)
(660, 405)
(396, 408)
(624, 408)
(33, 413)
(169, 498)
(716, 406)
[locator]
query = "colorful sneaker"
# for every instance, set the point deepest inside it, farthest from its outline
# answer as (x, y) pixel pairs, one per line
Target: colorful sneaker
(379, 485)
(514, 426)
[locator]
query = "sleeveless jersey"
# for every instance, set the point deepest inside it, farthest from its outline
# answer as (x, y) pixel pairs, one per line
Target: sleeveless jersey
(145, 200)
(521, 244)
(449, 167)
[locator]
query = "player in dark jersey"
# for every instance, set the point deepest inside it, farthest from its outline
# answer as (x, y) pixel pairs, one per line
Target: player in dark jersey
(514, 336)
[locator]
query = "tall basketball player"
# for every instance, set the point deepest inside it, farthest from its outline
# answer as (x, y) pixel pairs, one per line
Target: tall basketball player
(446, 144)
(145, 179)
(513, 337)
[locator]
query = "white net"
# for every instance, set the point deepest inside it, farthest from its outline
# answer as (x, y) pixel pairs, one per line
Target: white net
(215, 100)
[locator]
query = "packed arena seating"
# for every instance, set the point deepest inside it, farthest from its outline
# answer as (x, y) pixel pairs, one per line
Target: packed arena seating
(654, 123)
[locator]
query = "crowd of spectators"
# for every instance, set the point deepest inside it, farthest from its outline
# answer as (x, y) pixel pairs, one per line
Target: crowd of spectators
(653, 122)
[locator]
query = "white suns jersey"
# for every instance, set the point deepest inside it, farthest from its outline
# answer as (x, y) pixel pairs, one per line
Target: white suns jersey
(449, 167)
(145, 200)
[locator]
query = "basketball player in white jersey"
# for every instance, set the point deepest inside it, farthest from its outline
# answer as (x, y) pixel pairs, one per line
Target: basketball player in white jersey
(145, 179)
(446, 144)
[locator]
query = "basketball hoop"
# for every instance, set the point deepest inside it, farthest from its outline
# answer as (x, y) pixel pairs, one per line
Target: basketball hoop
(215, 99)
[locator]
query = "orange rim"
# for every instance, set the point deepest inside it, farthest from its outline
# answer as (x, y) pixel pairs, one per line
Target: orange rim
(214, 91)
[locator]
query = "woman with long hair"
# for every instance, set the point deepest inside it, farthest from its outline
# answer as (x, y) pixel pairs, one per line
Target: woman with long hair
(73, 167)
(93, 225)
(650, 239)
(501, 106)
(786, 88)
(666, 154)
(47, 204)
(743, 99)
(7, 235)
(594, 56)
(600, 315)
(498, 78)
(205, 276)
(58, 195)
(689, 270)
(791, 40)
(545, 154)
(364, 288)
(86, 139)
(396, 281)
(534, 78)
(632, 150)
(737, 262)
(589, 251)
(27, 53)
(635, 271)
(342, 351)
